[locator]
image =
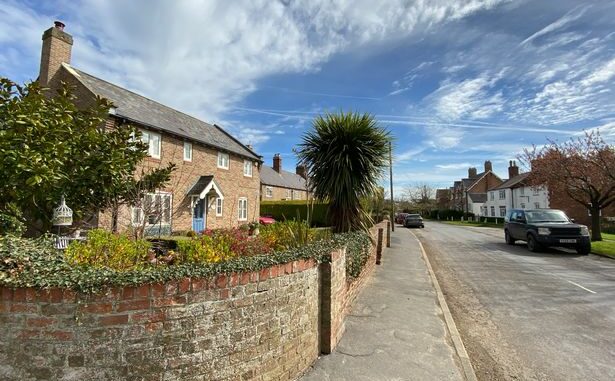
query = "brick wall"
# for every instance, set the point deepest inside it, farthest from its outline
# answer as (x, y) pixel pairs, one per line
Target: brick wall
(265, 325)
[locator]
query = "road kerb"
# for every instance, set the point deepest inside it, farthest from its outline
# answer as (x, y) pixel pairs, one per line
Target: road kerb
(466, 365)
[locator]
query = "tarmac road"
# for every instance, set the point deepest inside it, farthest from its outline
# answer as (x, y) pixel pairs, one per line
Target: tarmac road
(523, 315)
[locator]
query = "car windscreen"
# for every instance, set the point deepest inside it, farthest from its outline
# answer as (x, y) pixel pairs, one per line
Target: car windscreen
(546, 216)
(415, 217)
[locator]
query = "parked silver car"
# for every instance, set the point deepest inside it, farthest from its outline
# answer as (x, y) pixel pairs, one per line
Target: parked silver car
(414, 221)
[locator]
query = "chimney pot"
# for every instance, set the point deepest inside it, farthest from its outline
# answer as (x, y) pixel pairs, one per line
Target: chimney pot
(301, 171)
(513, 170)
(488, 166)
(56, 50)
(277, 162)
(472, 172)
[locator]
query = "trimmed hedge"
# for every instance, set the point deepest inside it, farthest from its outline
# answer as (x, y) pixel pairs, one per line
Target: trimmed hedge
(293, 210)
(446, 214)
(36, 263)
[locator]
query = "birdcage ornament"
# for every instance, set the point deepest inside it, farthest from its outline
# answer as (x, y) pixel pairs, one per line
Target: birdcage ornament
(62, 215)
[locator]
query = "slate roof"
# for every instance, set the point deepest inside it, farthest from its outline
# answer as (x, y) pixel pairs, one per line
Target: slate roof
(139, 109)
(200, 184)
(284, 179)
(478, 197)
(467, 183)
(514, 181)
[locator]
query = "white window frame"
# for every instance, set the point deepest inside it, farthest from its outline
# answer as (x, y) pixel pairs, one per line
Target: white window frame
(492, 211)
(522, 205)
(153, 150)
(288, 194)
(219, 206)
(502, 211)
(522, 191)
(537, 205)
(247, 168)
(492, 194)
(187, 151)
(268, 192)
(141, 214)
(242, 209)
(223, 160)
(502, 194)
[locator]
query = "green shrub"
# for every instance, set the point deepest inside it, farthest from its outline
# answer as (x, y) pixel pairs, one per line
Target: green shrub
(295, 210)
(286, 235)
(358, 247)
(109, 250)
(10, 224)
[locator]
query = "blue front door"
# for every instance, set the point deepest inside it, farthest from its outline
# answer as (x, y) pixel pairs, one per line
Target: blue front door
(198, 216)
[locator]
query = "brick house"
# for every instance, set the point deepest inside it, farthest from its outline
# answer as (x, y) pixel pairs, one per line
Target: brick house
(469, 193)
(217, 180)
(443, 198)
(278, 184)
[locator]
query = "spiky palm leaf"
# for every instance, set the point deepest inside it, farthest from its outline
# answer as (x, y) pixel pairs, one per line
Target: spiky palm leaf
(345, 154)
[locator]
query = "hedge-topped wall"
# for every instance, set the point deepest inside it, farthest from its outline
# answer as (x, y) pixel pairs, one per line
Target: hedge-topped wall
(269, 324)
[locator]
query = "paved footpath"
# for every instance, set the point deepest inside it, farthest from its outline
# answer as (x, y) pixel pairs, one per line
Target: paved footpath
(397, 329)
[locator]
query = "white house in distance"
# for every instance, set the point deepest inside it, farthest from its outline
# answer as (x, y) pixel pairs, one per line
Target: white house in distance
(514, 194)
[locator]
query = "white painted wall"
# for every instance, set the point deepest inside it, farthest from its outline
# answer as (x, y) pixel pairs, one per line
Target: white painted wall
(517, 198)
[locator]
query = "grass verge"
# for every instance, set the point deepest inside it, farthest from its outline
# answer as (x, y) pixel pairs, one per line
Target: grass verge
(604, 247)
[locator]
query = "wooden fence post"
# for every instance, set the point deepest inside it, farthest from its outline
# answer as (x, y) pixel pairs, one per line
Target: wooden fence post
(379, 246)
(388, 234)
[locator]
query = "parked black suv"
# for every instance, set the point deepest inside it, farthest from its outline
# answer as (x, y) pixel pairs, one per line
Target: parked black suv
(544, 228)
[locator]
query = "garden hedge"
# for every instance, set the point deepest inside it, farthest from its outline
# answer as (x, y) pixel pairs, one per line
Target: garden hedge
(36, 263)
(293, 210)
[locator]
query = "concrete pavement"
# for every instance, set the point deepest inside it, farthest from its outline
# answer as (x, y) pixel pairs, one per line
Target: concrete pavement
(396, 330)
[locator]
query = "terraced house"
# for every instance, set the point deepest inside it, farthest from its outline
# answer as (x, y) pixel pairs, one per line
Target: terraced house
(217, 180)
(278, 184)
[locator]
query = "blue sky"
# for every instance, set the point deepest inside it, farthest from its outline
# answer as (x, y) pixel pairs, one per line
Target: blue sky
(456, 82)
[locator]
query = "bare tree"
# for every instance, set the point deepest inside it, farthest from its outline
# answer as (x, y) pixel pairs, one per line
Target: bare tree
(582, 168)
(422, 197)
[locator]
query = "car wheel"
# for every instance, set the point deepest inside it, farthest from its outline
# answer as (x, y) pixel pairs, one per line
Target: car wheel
(509, 240)
(584, 249)
(532, 244)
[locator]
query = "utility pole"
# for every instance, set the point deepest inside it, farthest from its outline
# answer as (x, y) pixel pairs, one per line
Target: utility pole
(391, 178)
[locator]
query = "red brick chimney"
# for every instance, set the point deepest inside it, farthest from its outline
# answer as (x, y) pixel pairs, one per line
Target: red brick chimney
(301, 171)
(277, 162)
(513, 170)
(488, 166)
(472, 173)
(57, 45)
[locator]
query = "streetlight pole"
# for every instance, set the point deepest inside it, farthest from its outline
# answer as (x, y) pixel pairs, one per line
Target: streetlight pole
(391, 179)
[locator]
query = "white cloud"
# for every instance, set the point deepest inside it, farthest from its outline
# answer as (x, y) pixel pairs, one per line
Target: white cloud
(454, 166)
(204, 56)
(471, 98)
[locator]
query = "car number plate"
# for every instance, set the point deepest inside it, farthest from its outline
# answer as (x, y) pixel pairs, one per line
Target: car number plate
(567, 241)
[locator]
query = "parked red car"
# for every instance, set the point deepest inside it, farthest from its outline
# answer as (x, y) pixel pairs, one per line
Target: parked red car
(400, 218)
(264, 220)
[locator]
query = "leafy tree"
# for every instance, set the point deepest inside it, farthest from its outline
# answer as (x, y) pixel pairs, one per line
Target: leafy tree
(582, 168)
(49, 147)
(345, 154)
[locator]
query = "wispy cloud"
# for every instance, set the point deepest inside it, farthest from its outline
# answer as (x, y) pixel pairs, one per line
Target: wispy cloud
(572, 15)
(455, 166)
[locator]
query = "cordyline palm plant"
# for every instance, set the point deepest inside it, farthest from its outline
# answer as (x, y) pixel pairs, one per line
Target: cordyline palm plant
(345, 154)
